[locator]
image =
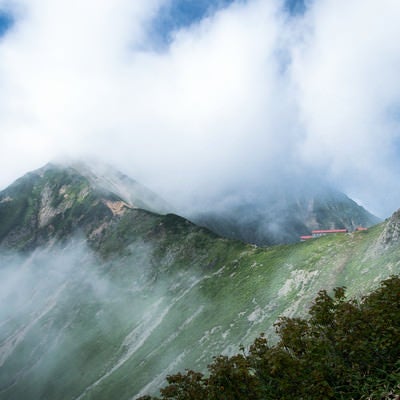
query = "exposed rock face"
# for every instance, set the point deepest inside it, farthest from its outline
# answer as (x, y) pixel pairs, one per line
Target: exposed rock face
(105, 178)
(6, 199)
(117, 207)
(47, 212)
(54, 203)
(391, 233)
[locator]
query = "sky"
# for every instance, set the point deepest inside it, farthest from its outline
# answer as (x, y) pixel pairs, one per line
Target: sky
(197, 99)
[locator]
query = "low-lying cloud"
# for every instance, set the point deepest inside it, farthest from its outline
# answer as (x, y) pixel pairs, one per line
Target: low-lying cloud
(66, 313)
(235, 100)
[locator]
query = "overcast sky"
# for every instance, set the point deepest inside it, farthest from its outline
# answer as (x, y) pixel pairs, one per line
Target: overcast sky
(196, 97)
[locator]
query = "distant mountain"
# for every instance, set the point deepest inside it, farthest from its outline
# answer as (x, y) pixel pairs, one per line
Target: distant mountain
(57, 201)
(282, 216)
(101, 300)
(59, 194)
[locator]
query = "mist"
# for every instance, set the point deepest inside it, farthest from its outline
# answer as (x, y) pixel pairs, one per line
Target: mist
(68, 320)
(236, 101)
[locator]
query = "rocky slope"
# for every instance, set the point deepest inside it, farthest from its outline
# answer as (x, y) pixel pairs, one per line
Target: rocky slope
(106, 299)
(57, 201)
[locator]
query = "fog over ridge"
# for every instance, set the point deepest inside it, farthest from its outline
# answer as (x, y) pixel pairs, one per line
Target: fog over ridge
(247, 95)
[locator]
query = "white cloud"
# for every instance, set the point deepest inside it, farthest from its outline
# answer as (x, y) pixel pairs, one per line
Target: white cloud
(221, 107)
(346, 70)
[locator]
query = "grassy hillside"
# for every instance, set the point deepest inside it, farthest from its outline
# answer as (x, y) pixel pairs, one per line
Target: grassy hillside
(126, 297)
(169, 301)
(345, 349)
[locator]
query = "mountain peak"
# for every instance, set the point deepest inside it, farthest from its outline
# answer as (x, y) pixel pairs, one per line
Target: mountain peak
(58, 200)
(149, 294)
(105, 178)
(63, 197)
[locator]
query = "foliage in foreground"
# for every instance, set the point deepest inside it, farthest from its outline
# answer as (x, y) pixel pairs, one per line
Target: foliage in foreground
(346, 349)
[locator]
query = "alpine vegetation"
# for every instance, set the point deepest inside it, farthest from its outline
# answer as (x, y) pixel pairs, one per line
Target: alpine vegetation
(346, 349)
(102, 298)
(265, 137)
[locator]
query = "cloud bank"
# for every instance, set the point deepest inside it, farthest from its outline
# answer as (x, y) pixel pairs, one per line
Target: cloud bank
(247, 95)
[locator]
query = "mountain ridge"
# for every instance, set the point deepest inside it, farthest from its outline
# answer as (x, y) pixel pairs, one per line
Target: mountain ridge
(108, 314)
(68, 197)
(283, 216)
(102, 188)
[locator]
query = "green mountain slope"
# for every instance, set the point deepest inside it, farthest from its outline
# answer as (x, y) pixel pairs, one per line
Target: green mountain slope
(285, 214)
(107, 299)
(55, 201)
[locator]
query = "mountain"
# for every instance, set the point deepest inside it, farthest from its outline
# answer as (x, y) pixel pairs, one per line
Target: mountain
(57, 200)
(105, 178)
(284, 214)
(101, 300)
(32, 208)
